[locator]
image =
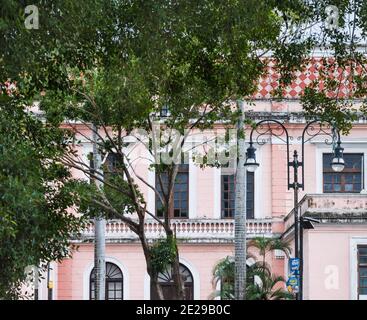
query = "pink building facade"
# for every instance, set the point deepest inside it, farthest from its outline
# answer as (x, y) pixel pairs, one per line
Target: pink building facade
(335, 251)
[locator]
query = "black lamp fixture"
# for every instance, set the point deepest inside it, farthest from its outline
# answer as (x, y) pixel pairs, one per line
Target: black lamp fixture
(251, 164)
(338, 164)
(275, 128)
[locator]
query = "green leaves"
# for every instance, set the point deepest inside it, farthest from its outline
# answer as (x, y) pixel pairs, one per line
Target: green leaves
(261, 283)
(163, 253)
(36, 195)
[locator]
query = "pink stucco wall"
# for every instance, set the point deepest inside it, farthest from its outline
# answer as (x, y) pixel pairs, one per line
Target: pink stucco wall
(323, 247)
(73, 273)
(328, 256)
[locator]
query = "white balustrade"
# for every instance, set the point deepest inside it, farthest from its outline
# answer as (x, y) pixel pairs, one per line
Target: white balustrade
(202, 230)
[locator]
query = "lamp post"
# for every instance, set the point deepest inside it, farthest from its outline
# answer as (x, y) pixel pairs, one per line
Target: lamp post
(275, 128)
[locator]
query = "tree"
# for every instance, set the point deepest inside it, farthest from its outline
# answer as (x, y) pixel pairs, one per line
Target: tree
(118, 63)
(268, 245)
(261, 284)
(240, 213)
(36, 192)
(266, 287)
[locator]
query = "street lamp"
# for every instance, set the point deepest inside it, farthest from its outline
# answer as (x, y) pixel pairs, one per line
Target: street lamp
(251, 164)
(338, 161)
(267, 128)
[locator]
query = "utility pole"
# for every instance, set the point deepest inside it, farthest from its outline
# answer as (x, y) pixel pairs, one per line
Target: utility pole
(99, 230)
(50, 283)
(295, 186)
(36, 282)
(240, 210)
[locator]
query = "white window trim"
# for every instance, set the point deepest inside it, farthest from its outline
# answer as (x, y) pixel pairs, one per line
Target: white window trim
(151, 192)
(353, 260)
(217, 193)
(125, 274)
(192, 188)
(348, 148)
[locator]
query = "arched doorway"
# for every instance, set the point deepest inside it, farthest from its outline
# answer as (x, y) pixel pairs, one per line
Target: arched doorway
(114, 283)
(166, 282)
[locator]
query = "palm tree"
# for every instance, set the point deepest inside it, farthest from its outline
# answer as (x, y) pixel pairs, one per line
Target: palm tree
(240, 212)
(224, 272)
(265, 287)
(265, 245)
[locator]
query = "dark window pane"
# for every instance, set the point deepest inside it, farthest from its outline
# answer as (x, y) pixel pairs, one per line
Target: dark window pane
(363, 271)
(179, 205)
(363, 282)
(337, 187)
(349, 180)
(348, 187)
(327, 161)
(328, 178)
(228, 193)
(114, 283)
(328, 187)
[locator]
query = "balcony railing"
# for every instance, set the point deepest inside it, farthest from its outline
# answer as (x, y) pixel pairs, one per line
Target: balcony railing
(192, 230)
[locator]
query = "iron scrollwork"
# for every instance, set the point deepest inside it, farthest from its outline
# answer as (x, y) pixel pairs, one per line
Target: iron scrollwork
(265, 129)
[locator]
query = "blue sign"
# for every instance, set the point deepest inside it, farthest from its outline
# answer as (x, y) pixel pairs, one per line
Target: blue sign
(294, 264)
(293, 284)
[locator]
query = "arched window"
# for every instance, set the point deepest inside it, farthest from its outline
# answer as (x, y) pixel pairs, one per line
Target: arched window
(166, 282)
(114, 283)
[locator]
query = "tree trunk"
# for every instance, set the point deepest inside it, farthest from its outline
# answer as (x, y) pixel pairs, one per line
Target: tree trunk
(240, 213)
(177, 279)
(155, 286)
(99, 229)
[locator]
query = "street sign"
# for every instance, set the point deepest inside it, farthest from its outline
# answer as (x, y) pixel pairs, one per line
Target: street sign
(293, 284)
(293, 276)
(294, 264)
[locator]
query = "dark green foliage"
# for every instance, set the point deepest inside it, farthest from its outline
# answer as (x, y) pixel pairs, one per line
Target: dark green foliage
(35, 194)
(261, 283)
(163, 253)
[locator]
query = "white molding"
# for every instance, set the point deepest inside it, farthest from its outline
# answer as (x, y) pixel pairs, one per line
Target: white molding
(195, 276)
(151, 193)
(259, 211)
(321, 149)
(85, 149)
(217, 193)
(54, 278)
(318, 175)
(353, 265)
(146, 286)
(125, 273)
(218, 288)
(192, 189)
